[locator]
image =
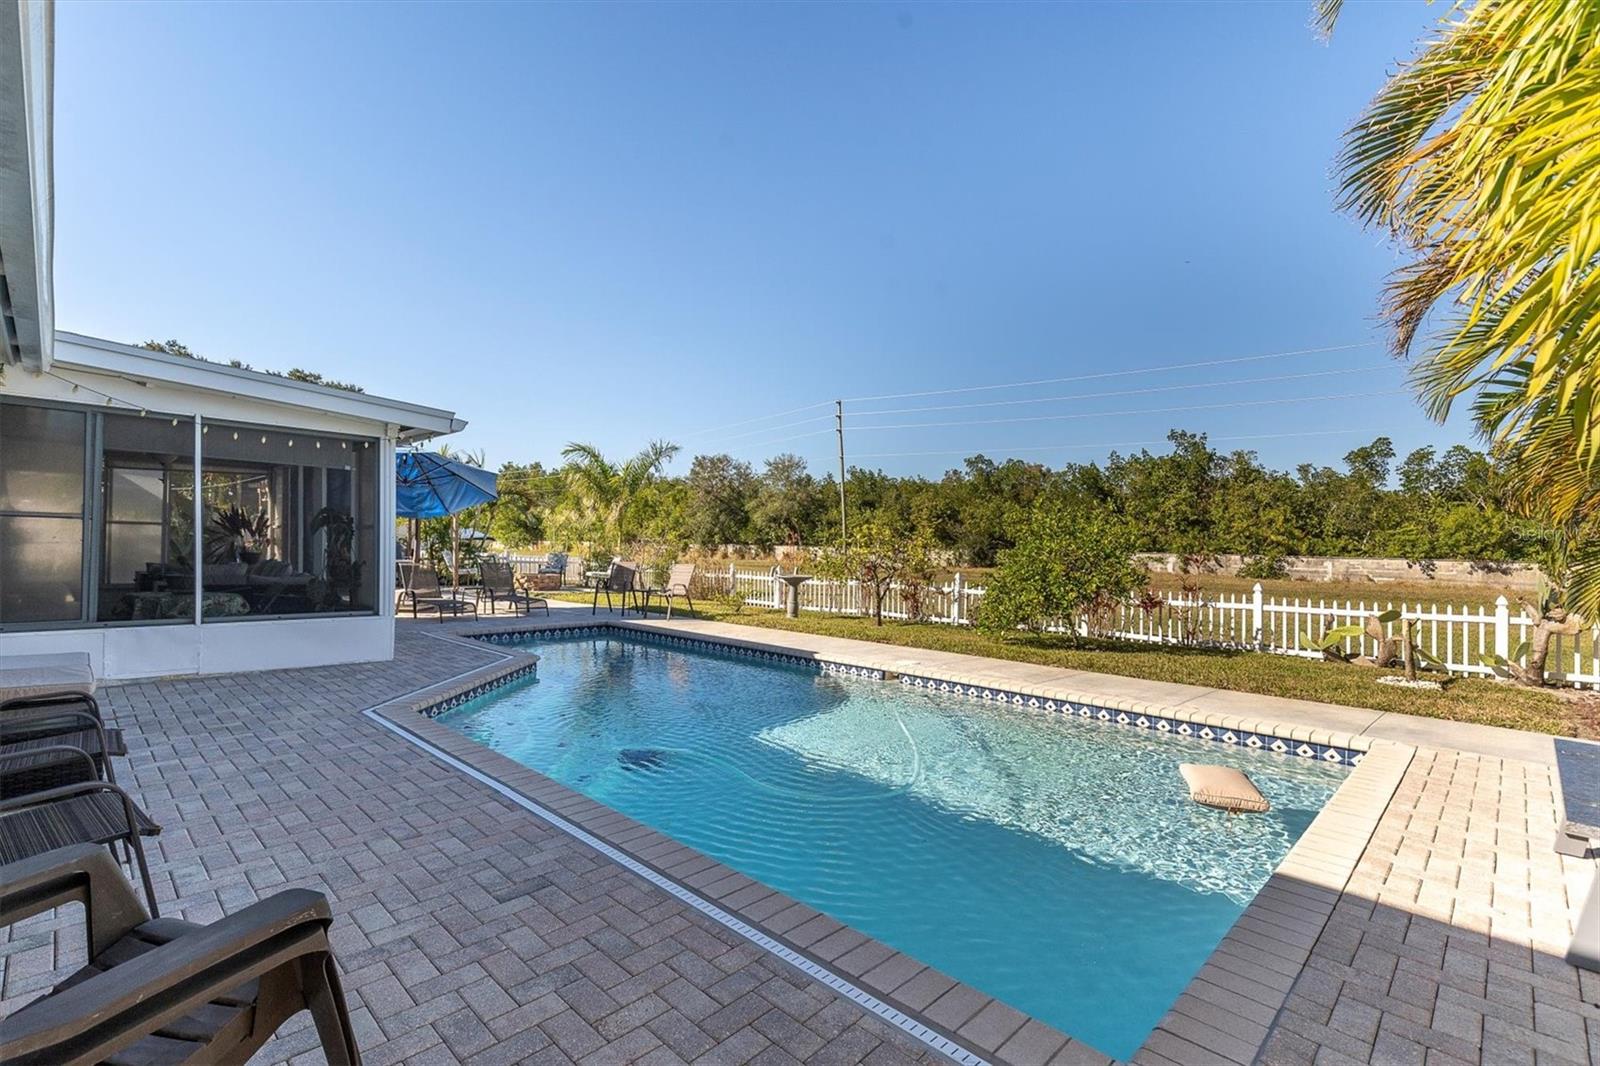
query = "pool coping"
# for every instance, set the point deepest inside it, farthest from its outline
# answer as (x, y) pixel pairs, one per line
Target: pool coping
(1223, 1015)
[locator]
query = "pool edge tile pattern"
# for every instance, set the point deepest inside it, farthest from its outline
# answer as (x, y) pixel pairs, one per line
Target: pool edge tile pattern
(1243, 976)
(1329, 748)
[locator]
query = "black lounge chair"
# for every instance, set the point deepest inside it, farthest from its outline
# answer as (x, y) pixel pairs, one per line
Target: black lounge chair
(73, 806)
(63, 719)
(497, 581)
(426, 593)
(169, 991)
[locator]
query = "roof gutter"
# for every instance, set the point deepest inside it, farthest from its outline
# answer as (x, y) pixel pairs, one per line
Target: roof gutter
(27, 192)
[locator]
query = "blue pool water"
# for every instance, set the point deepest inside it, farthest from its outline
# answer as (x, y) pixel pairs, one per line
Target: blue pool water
(1053, 862)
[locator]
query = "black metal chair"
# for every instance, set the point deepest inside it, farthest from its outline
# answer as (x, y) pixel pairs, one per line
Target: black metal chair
(55, 797)
(623, 579)
(49, 721)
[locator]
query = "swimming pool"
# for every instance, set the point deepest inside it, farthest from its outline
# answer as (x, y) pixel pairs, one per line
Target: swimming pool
(1053, 862)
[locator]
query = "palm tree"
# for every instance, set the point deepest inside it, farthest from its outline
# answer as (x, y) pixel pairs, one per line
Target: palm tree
(606, 491)
(1481, 157)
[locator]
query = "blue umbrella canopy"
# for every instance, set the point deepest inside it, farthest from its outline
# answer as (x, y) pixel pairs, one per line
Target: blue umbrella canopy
(429, 485)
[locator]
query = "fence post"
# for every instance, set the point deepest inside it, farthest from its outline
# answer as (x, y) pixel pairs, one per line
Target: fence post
(955, 600)
(1258, 616)
(777, 591)
(733, 580)
(1502, 628)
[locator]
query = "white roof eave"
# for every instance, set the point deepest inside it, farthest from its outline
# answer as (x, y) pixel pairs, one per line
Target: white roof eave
(130, 362)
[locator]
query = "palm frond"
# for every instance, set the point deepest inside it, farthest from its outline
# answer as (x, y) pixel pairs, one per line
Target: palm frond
(1481, 156)
(1324, 14)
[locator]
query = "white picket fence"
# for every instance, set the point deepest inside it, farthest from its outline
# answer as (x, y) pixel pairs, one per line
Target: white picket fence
(1459, 636)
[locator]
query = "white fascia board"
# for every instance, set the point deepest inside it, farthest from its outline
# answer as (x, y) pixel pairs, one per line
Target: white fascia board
(27, 191)
(139, 365)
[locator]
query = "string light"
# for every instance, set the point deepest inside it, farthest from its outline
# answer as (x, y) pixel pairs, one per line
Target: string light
(263, 438)
(235, 434)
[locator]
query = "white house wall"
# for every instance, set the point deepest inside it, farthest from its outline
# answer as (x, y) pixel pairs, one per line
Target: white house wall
(134, 651)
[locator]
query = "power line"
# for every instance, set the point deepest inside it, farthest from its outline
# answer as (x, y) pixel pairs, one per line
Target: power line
(783, 440)
(1135, 412)
(759, 418)
(722, 442)
(768, 429)
(1119, 373)
(1094, 444)
(1140, 411)
(1121, 392)
(1022, 384)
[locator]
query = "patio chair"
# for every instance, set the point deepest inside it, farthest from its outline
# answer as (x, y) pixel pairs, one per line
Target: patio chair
(554, 563)
(169, 991)
(679, 578)
(425, 592)
(43, 723)
(500, 583)
(76, 806)
(621, 578)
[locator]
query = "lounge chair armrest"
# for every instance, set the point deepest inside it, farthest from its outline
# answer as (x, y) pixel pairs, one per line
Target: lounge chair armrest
(24, 716)
(41, 755)
(60, 792)
(39, 715)
(64, 698)
(82, 873)
(96, 1017)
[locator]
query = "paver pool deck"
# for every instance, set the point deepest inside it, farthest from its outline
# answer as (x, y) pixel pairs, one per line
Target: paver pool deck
(1422, 919)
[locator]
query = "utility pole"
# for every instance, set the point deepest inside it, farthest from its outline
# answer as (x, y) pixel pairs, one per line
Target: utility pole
(844, 533)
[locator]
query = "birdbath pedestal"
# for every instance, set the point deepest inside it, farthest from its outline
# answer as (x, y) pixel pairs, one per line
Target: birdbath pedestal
(791, 602)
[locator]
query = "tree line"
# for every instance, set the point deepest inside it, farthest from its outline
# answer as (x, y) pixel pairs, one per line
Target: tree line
(1192, 499)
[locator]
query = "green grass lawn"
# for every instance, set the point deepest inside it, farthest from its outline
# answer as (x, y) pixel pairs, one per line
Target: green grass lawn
(1482, 701)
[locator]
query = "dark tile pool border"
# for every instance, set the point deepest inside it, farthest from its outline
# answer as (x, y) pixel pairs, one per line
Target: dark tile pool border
(1277, 743)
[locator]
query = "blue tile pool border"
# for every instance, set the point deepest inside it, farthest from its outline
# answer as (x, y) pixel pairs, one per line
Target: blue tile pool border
(1333, 754)
(456, 699)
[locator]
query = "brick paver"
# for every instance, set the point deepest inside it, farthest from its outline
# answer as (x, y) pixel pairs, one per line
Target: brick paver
(1447, 945)
(467, 929)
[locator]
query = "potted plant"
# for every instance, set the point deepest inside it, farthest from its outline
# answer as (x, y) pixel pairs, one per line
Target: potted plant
(235, 535)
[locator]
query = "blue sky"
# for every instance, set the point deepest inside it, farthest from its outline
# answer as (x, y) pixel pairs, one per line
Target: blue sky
(616, 222)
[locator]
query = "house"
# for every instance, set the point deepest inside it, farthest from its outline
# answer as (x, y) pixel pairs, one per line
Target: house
(165, 514)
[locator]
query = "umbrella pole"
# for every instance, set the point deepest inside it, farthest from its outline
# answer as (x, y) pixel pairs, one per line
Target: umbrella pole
(455, 555)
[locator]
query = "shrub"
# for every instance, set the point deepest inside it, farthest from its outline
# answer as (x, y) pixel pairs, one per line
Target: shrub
(1264, 567)
(1071, 568)
(880, 555)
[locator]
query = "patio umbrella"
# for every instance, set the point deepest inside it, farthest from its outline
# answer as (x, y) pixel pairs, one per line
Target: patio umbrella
(430, 485)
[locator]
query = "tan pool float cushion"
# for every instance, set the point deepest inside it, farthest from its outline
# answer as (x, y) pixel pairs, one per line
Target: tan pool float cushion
(1223, 787)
